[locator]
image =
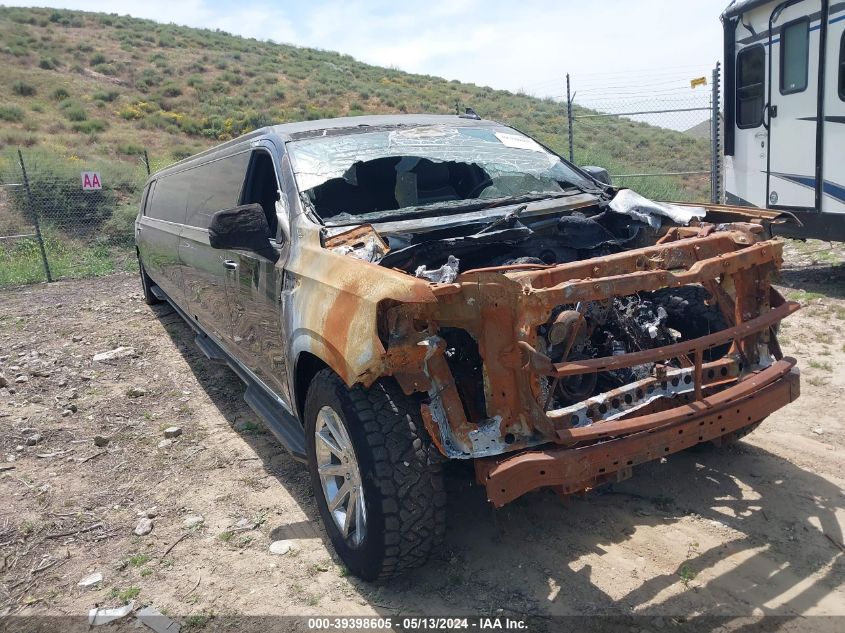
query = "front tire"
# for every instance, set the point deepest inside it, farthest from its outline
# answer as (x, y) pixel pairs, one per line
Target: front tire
(377, 480)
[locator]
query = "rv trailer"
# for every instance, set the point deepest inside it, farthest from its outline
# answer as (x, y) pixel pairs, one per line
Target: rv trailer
(784, 106)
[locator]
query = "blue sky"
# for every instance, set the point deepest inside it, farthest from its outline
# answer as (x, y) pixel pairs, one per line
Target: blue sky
(528, 45)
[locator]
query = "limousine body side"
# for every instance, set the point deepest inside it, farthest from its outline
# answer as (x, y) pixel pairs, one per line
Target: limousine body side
(400, 291)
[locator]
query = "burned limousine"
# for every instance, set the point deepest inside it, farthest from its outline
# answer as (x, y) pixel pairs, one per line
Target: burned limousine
(401, 291)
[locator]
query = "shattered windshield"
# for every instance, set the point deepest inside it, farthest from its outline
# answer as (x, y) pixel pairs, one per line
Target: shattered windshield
(422, 168)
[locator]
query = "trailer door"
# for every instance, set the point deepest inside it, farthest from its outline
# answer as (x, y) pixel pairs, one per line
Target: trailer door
(793, 105)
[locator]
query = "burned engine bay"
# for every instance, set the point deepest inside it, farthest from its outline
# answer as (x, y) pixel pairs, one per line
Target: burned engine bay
(534, 236)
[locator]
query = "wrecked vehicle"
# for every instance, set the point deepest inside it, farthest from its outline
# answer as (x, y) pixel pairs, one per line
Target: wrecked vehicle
(403, 292)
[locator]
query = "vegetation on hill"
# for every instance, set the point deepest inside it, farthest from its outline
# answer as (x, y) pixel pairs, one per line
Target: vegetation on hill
(94, 91)
(101, 86)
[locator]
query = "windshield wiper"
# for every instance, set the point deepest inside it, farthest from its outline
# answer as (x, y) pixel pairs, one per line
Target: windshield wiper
(574, 185)
(508, 217)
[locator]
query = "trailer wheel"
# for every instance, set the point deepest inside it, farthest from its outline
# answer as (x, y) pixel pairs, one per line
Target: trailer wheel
(377, 479)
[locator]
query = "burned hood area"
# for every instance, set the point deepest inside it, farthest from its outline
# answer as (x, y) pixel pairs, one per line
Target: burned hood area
(557, 310)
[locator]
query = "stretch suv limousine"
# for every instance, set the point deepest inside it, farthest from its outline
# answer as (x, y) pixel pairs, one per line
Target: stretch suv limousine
(398, 292)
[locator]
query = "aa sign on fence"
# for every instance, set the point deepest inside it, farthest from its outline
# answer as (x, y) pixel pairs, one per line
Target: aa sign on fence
(91, 181)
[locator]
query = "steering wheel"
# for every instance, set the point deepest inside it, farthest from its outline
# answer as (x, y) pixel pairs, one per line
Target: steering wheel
(476, 191)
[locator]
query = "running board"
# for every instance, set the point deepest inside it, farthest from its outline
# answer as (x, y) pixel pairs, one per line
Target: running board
(281, 422)
(159, 293)
(210, 349)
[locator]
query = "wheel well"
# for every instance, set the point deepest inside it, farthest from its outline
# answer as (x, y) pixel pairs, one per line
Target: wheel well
(307, 366)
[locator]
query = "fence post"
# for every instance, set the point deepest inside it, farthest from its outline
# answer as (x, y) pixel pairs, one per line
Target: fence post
(147, 162)
(569, 121)
(34, 213)
(715, 141)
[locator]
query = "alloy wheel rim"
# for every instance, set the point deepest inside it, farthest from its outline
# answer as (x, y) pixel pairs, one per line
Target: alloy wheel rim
(340, 476)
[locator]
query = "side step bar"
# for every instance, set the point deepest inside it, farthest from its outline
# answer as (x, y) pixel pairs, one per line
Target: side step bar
(159, 293)
(275, 415)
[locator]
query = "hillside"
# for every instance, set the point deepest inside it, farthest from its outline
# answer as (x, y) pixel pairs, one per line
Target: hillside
(102, 88)
(699, 130)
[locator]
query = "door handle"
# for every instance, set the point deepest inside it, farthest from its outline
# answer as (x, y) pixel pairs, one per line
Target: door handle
(230, 264)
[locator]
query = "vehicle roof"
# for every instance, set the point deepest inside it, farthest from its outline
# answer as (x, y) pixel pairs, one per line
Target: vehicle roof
(287, 131)
(738, 7)
(377, 120)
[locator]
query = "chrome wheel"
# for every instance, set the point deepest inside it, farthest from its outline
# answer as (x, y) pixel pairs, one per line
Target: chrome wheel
(340, 476)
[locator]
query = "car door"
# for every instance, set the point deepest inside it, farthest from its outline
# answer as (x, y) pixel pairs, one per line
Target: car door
(256, 283)
(793, 105)
(213, 186)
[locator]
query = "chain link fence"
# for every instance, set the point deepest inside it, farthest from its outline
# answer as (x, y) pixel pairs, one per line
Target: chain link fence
(66, 218)
(658, 136)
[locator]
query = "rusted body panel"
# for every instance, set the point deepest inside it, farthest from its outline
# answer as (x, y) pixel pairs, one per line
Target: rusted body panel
(572, 470)
(366, 321)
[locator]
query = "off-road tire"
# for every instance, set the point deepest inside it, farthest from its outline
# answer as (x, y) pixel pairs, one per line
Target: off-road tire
(146, 287)
(400, 469)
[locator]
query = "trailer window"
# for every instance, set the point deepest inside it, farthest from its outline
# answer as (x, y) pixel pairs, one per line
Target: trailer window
(750, 78)
(842, 67)
(794, 56)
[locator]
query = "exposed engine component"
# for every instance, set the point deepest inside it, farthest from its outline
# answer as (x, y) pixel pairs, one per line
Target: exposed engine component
(619, 326)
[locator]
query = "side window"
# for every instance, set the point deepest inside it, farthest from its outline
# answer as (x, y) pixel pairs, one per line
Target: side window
(750, 84)
(262, 187)
(146, 197)
(794, 56)
(842, 67)
(215, 186)
(168, 198)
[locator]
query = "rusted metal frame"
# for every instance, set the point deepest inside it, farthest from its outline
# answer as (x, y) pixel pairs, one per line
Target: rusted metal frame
(627, 399)
(681, 254)
(722, 298)
(576, 469)
(538, 365)
(719, 400)
(588, 289)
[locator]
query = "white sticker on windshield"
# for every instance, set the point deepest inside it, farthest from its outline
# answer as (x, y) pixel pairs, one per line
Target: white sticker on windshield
(518, 141)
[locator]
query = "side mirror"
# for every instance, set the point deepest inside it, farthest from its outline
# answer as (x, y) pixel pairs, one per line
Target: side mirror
(599, 173)
(243, 227)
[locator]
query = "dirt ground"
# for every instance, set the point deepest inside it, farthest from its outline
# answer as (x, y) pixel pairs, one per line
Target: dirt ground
(748, 530)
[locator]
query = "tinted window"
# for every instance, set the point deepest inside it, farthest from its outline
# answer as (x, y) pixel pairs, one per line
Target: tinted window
(168, 199)
(214, 186)
(842, 67)
(750, 77)
(794, 56)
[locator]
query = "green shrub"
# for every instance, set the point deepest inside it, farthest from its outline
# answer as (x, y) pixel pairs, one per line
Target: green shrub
(73, 111)
(106, 69)
(23, 89)
(89, 126)
(119, 229)
(106, 95)
(60, 94)
(11, 113)
(99, 58)
(48, 63)
(171, 90)
(130, 149)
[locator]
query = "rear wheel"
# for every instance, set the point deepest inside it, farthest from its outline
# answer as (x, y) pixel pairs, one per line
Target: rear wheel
(146, 286)
(377, 480)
